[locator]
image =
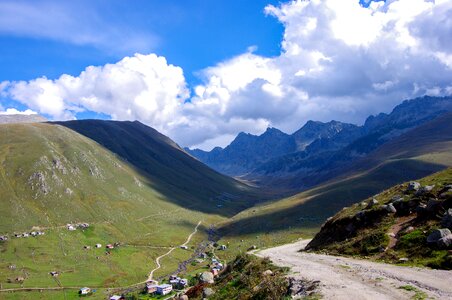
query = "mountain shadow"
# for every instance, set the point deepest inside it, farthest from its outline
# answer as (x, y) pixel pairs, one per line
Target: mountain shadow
(170, 170)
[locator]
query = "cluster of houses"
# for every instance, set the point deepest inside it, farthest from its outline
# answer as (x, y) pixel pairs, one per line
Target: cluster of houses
(216, 267)
(153, 288)
(28, 234)
(72, 227)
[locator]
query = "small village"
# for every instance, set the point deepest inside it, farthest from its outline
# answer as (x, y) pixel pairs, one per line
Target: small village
(175, 286)
(171, 286)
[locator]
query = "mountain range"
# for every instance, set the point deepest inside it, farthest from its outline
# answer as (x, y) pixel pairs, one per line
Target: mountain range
(317, 151)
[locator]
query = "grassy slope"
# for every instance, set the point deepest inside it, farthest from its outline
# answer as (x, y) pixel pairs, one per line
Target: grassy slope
(181, 178)
(120, 204)
(418, 153)
(367, 238)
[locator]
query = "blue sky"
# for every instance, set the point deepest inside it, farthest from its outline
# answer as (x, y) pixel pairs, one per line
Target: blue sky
(193, 34)
(202, 71)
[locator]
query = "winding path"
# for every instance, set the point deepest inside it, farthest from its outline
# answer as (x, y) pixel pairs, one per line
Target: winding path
(348, 278)
(157, 260)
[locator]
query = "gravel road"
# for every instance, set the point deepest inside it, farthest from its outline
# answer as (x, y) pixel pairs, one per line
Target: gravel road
(348, 278)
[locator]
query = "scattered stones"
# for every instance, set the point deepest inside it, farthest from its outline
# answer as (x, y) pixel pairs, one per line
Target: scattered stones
(206, 277)
(372, 203)
(446, 221)
(37, 181)
(302, 288)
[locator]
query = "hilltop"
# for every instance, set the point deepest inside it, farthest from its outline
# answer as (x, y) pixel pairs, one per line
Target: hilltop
(19, 118)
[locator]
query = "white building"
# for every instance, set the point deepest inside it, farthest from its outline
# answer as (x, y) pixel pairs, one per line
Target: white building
(164, 289)
(85, 291)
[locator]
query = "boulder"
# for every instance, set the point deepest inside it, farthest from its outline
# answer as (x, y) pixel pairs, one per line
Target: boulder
(445, 242)
(433, 205)
(446, 221)
(207, 292)
(359, 215)
(413, 186)
(437, 234)
(424, 190)
(267, 273)
(389, 208)
(183, 297)
(409, 229)
(421, 209)
(206, 277)
(372, 203)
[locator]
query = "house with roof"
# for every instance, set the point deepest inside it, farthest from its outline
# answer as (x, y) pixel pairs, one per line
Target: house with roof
(151, 288)
(84, 291)
(164, 289)
(116, 297)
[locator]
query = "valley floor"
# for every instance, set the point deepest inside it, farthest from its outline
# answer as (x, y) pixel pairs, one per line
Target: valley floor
(348, 278)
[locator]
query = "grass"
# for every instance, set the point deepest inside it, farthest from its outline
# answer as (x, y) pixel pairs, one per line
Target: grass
(105, 194)
(418, 294)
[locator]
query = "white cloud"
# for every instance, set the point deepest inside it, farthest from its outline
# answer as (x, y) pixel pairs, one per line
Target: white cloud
(339, 61)
(13, 111)
(142, 87)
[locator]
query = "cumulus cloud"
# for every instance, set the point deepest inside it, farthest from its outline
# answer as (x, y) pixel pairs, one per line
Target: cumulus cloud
(142, 87)
(339, 60)
(13, 111)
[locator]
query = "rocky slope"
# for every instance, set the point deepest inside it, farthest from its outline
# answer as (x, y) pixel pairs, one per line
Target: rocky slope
(407, 224)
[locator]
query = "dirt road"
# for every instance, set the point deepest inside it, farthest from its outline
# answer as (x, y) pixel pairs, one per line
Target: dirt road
(157, 261)
(347, 278)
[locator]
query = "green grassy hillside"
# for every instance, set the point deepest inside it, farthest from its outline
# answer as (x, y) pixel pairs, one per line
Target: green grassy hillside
(170, 170)
(51, 176)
